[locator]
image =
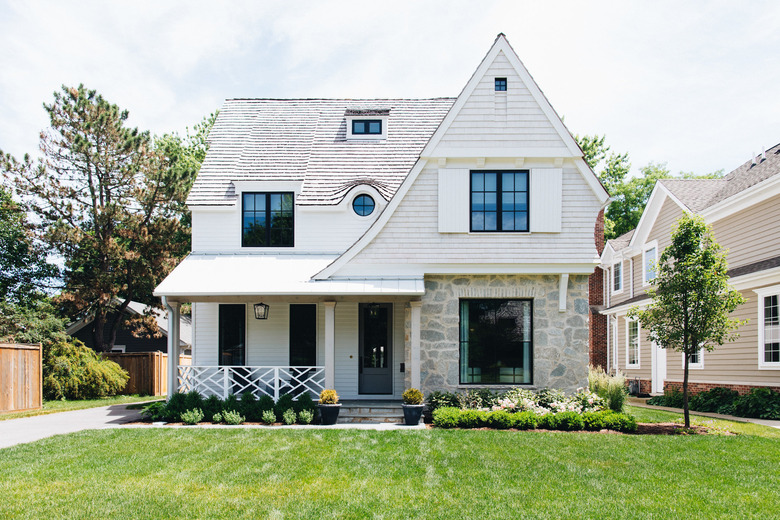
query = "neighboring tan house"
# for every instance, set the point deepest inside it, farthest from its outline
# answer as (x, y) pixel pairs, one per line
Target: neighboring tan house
(126, 342)
(372, 245)
(744, 210)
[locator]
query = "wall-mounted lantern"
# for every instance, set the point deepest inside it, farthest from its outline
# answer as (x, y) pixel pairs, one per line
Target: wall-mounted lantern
(261, 311)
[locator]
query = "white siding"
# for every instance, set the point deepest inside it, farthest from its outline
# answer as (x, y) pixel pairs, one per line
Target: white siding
(204, 335)
(545, 201)
(480, 125)
(453, 197)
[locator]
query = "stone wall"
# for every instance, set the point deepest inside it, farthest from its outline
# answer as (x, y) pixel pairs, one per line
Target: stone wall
(560, 339)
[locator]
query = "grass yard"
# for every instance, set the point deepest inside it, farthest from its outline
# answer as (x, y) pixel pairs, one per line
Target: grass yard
(649, 415)
(66, 406)
(256, 473)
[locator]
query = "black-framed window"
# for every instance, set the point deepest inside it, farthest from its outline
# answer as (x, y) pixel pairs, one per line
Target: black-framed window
(363, 205)
(232, 334)
(500, 84)
(496, 345)
(303, 334)
(499, 200)
(267, 220)
(366, 127)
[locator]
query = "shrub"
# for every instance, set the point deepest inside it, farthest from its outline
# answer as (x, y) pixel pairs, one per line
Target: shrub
(329, 396)
(284, 403)
(763, 403)
(288, 417)
(175, 407)
(193, 416)
(524, 420)
(438, 400)
(446, 417)
(192, 400)
(413, 396)
(610, 388)
(547, 396)
(231, 403)
(304, 402)
(269, 417)
(232, 417)
(714, 400)
(266, 402)
(569, 421)
(472, 419)
(672, 398)
(305, 416)
(620, 422)
(548, 421)
(481, 398)
(217, 418)
(74, 371)
(594, 421)
(500, 419)
(212, 406)
(249, 407)
(155, 412)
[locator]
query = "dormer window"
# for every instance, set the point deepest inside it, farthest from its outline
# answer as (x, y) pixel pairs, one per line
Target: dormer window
(366, 127)
(500, 84)
(366, 123)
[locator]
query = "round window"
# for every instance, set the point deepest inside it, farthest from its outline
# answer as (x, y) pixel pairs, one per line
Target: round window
(363, 205)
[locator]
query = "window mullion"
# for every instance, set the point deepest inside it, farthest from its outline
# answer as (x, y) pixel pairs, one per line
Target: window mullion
(499, 202)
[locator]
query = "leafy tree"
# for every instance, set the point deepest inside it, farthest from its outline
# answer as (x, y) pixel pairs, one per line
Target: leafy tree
(691, 300)
(35, 322)
(23, 267)
(108, 202)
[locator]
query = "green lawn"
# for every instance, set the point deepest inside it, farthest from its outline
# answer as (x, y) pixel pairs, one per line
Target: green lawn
(65, 406)
(256, 473)
(649, 415)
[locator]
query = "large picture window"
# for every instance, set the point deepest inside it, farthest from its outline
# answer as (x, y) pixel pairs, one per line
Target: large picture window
(495, 342)
(267, 220)
(499, 201)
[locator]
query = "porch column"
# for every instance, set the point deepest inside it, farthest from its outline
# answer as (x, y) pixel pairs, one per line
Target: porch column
(173, 346)
(330, 344)
(414, 360)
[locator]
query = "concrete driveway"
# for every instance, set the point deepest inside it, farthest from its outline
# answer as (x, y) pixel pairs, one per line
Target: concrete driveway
(29, 429)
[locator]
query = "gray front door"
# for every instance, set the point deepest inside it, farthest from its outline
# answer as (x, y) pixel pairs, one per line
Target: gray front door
(375, 355)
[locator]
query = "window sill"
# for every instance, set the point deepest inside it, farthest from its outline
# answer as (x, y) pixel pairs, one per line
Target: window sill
(632, 367)
(769, 366)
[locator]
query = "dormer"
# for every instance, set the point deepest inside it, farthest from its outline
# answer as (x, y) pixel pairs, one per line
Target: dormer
(366, 124)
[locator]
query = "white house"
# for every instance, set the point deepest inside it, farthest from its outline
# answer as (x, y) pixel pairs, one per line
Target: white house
(434, 243)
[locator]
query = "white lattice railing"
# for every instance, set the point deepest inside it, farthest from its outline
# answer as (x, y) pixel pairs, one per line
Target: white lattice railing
(271, 381)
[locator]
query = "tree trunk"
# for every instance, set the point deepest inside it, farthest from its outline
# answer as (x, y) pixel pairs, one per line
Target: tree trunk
(98, 328)
(685, 393)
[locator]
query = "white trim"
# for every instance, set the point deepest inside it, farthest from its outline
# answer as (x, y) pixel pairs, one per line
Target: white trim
(647, 247)
(615, 342)
(638, 363)
(619, 262)
(119, 348)
(691, 365)
(562, 289)
(650, 213)
(763, 293)
(757, 193)
(366, 137)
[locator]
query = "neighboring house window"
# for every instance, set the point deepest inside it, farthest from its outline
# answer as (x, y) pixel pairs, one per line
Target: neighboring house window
(499, 201)
(267, 220)
(500, 84)
(695, 360)
(769, 331)
(118, 349)
(617, 277)
(363, 205)
(495, 342)
(367, 127)
(632, 344)
(649, 264)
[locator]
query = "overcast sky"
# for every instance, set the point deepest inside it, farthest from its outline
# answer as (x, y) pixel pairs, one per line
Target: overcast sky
(692, 84)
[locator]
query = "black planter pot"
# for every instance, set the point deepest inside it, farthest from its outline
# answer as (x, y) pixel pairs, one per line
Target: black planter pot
(412, 413)
(329, 413)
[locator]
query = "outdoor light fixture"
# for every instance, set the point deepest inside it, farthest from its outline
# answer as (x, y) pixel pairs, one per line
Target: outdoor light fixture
(261, 311)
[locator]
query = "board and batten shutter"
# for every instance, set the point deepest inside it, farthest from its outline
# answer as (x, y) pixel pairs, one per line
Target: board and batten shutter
(454, 200)
(546, 198)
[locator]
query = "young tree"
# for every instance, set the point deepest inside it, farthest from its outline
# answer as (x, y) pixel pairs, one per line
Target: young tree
(107, 202)
(691, 300)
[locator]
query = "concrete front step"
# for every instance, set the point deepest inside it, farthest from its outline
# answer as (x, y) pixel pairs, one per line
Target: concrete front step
(371, 413)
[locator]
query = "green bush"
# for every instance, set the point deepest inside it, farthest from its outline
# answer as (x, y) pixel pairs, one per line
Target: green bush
(155, 412)
(232, 417)
(569, 421)
(472, 419)
(594, 421)
(305, 416)
(610, 388)
(72, 370)
(763, 403)
(193, 416)
(524, 420)
(446, 417)
(285, 402)
(175, 407)
(443, 399)
(192, 400)
(269, 417)
(231, 403)
(481, 398)
(500, 419)
(715, 400)
(304, 402)
(266, 402)
(547, 396)
(620, 422)
(217, 418)
(249, 407)
(288, 417)
(212, 406)
(412, 396)
(548, 421)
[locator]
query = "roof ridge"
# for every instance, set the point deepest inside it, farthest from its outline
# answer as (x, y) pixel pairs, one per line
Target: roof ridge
(443, 98)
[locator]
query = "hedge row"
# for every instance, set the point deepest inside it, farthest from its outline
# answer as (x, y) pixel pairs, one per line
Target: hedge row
(451, 417)
(761, 403)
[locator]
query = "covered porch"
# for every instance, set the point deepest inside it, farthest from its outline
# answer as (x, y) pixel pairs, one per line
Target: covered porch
(361, 337)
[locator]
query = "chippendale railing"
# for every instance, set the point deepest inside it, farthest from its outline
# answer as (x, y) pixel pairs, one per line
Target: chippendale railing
(273, 381)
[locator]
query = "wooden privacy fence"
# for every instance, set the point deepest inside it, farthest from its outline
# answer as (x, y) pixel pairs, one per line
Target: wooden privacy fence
(148, 371)
(21, 377)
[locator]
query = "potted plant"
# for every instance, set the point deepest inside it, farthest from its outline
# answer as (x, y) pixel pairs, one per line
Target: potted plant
(413, 406)
(329, 406)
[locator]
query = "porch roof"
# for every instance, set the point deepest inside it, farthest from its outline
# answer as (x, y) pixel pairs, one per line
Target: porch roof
(236, 275)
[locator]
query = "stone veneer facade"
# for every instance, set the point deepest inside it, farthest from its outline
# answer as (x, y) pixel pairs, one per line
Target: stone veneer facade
(560, 339)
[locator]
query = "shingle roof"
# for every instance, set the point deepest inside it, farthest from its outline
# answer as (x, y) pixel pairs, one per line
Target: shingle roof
(622, 241)
(305, 140)
(694, 193)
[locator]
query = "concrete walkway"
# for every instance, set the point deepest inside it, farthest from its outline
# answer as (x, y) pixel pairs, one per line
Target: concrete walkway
(29, 429)
(635, 401)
